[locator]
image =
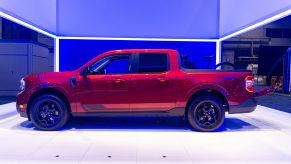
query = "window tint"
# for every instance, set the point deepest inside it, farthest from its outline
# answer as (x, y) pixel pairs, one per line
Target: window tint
(100, 63)
(117, 64)
(152, 62)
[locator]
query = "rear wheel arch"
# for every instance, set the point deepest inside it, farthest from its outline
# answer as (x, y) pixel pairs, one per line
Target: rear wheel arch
(206, 113)
(48, 91)
(211, 92)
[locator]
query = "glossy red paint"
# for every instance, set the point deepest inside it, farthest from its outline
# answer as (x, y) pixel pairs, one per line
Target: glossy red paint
(136, 92)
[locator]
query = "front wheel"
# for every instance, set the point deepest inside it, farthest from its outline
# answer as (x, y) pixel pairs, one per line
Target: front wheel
(206, 113)
(49, 112)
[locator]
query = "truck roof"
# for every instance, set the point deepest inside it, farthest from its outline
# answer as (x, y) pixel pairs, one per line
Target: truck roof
(140, 51)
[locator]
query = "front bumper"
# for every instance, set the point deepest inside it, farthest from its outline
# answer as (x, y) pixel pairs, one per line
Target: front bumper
(22, 99)
(22, 113)
(245, 107)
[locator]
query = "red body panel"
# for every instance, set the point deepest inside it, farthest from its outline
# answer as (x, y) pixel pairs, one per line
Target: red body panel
(137, 92)
(103, 93)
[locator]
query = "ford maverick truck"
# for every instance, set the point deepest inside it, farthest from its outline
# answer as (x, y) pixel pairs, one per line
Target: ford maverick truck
(137, 82)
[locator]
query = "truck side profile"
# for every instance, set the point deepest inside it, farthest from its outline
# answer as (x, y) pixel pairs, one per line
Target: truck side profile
(149, 82)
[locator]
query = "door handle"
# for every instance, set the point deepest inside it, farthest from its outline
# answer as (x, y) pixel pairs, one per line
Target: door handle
(118, 81)
(162, 79)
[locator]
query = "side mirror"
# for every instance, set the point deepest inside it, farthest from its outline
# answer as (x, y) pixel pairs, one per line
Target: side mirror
(85, 72)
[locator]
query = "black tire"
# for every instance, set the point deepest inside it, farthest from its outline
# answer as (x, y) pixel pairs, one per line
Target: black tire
(206, 113)
(48, 113)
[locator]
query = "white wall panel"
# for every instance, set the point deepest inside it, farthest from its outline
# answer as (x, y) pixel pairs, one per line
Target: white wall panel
(12, 69)
(13, 48)
(40, 13)
(238, 14)
(18, 60)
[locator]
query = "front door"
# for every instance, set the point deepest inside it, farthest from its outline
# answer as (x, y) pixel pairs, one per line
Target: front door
(106, 88)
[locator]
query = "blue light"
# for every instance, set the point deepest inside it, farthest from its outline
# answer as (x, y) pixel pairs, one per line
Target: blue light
(75, 53)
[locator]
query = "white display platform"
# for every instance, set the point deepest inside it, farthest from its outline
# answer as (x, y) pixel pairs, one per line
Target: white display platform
(263, 136)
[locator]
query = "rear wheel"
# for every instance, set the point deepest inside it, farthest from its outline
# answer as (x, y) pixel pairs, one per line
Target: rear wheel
(49, 112)
(206, 113)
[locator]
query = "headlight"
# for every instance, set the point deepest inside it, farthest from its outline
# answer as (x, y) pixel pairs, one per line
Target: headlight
(22, 84)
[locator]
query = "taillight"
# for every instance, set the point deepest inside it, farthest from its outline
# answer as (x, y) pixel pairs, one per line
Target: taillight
(250, 83)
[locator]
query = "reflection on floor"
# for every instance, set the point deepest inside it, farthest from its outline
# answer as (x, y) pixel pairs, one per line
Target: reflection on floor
(262, 136)
(273, 99)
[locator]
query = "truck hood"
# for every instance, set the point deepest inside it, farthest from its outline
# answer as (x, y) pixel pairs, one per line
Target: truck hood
(52, 77)
(55, 76)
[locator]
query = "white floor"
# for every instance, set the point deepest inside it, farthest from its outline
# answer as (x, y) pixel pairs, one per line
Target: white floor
(263, 136)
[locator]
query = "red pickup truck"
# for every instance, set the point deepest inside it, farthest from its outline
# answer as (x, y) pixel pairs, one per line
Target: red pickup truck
(139, 82)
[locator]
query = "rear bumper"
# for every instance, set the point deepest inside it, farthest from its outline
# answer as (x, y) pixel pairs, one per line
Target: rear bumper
(245, 107)
(250, 104)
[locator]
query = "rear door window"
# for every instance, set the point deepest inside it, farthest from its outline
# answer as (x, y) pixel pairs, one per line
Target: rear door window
(152, 63)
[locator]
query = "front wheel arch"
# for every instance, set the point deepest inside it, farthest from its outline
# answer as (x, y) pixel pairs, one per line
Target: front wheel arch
(47, 91)
(49, 112)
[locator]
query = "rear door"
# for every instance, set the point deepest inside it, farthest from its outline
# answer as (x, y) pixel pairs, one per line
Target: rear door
(153, 85)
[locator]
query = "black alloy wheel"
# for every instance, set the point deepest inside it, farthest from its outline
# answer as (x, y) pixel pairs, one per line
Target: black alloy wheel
(206, 113)
(49, 112)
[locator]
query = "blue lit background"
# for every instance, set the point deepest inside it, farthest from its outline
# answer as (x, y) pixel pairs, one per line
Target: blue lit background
(75, 53)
